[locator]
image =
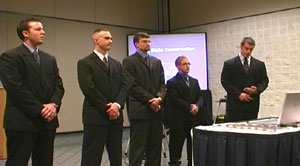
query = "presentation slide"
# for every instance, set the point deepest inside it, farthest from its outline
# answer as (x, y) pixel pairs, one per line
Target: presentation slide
(167, 47)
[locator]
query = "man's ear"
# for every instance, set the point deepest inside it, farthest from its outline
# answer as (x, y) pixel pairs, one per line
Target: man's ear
(25, 33)
(135, 44)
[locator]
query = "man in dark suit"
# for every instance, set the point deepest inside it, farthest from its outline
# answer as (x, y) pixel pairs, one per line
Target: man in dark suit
(185, 100)
(99, 77)
(244, 78)
(34, 92)
(144, 77)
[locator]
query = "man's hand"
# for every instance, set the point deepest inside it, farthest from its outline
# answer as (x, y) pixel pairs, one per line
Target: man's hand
(250, 90)
(194, 109)
(113, 111)
(245, 97)
(48, 112)
(154, 104)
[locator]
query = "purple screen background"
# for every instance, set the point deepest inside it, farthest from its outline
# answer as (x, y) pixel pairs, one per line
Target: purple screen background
(168, 47)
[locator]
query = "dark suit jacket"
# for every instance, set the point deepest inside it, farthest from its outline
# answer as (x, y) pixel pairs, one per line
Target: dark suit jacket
(181, 97)
(100, 86)
(234, 79)
(144, 83)
(28, 87)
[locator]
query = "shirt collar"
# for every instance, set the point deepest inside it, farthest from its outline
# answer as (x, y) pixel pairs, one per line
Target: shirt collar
(183, 75)
(242, 58)
(30, 48)
(142, 54)
(100, 55)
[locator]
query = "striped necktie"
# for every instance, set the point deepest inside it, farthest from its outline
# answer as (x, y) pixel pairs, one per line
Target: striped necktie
(36, 57)
(186, 80)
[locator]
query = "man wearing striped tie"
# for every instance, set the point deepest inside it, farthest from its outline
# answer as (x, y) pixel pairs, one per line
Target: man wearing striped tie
(184, 101)
(34, 92)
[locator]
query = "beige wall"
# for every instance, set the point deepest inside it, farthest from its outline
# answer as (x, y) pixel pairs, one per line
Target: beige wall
(68, 25)
(197, 12)
(278, 44)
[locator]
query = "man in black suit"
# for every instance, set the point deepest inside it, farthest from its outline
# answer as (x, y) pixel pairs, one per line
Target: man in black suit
(185, 100)
(144, 77)
(244, 78)
(34, 92)
(99, 77)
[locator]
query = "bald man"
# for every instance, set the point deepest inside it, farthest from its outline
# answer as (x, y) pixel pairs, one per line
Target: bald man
(99, 78)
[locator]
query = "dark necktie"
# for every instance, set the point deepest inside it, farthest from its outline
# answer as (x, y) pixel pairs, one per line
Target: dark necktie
(105, 62)
(246, 65)
(36, 57)
(186, 80)
(147, 60)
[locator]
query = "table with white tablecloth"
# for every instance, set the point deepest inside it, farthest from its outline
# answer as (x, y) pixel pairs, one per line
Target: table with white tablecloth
(254, 143)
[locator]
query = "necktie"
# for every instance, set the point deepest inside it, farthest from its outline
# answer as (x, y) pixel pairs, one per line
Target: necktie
(105, 62)
(147, 60)
(246, 65)
(36, 57)
(186, 80)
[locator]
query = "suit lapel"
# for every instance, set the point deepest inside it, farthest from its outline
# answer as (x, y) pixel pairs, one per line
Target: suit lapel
(111, 66)
(239, 63)
(191, 86)
(183, 84)
(96, 59)
(29, 57)
(252, 65)
(45, 64)
(140, 58)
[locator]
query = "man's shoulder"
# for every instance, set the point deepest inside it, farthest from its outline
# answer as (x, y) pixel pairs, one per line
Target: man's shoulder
(16, 50)
(231, 60)
(43, 53)
(174, 79)
(114, 60)
(131, 58)
(154, 58)
(87, 58)
(257, 60)
(192, 78)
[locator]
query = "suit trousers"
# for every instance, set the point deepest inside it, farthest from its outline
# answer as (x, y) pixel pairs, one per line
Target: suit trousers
(95, 137)
(179, 131)
(22, 144)
(145, 138)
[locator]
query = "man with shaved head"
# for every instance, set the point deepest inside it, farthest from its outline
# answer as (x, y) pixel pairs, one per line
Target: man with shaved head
(99, 77)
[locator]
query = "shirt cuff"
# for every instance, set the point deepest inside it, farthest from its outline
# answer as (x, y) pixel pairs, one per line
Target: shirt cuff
(117, 105)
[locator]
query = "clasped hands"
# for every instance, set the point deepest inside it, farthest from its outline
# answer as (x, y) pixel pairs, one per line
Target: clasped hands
(113, 111)
(48, 112)
(247, 92)
(154, 103)
(194, 109)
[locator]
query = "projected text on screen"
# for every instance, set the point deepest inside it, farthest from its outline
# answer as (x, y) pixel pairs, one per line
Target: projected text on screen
(168, 47)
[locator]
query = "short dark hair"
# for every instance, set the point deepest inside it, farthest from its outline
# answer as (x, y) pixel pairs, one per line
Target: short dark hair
(179, 59)
(100, 30)
(23, 26)
(248, 40)
(140, 35)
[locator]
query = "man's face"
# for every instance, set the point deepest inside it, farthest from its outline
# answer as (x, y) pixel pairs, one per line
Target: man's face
(35, 33)
(104, 40)
(184, 66)
(143, 44)
(247, 49)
